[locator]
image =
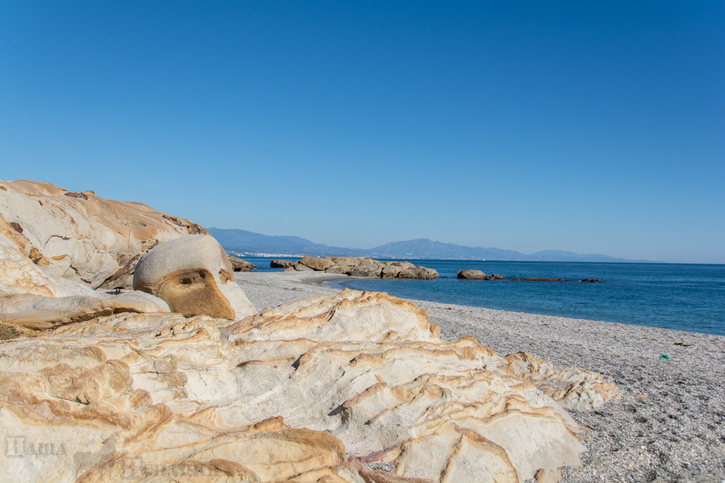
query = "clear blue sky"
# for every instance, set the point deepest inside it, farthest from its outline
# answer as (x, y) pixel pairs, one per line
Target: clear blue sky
(594, 127)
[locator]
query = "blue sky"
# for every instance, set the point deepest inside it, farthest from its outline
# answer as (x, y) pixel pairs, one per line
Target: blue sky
(594, 127)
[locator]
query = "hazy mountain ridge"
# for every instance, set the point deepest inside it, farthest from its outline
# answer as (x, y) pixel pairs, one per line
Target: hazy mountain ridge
(247, 243)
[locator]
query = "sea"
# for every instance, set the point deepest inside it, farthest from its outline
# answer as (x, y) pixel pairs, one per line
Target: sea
(688, 297)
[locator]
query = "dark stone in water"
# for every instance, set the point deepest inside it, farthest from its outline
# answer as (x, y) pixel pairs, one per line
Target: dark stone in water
(281, 263)
(479, 275)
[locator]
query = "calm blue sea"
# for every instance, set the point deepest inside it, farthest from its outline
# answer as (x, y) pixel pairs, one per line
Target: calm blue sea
(674, 296)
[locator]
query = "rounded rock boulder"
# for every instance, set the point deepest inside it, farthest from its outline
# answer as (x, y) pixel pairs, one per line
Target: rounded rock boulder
(194, 276)
(472, 274)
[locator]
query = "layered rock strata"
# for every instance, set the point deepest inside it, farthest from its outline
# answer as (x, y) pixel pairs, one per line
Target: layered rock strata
(137, 385)
(81, 236)
(33, 300)
(314, 390)
(359, 267)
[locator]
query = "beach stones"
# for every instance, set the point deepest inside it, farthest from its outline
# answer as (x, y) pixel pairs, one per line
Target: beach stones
(194, 276)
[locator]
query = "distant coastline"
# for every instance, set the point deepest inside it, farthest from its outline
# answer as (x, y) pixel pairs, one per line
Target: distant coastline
(247, 243)
(683, 297)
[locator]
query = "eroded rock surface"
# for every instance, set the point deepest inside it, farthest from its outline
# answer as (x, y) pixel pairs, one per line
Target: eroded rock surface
(359, 267)
(33, 300)
(194, 276)
(114, 386)
(81, 236)
(309, 391)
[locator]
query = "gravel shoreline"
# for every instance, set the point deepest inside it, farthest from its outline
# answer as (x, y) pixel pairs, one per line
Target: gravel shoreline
(669, 424)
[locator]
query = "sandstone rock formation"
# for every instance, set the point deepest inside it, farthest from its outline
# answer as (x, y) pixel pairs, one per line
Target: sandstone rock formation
(81, 236)
(194, 276)
(359, 267)
(32, 300)
(240, 265)
(309, 391)
(100, 385)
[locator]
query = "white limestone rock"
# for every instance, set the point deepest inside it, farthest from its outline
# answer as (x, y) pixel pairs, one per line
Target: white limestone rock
(81, 236)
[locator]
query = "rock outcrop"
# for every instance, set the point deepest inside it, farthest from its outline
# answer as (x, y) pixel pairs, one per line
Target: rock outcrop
(472, 274)
(102, 386)
(81, 236)
(314, 390)
(240, 265)
(359, 267)
(33, 300)
(194, 276)
(479, 275)
(281, 263)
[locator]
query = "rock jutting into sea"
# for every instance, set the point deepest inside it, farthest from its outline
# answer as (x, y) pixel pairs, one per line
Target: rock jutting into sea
(358, 267)
(240, 265)
(479, 275)
(183, 379)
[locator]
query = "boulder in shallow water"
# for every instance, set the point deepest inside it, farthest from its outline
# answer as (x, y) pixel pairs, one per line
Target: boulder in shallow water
(193, 275)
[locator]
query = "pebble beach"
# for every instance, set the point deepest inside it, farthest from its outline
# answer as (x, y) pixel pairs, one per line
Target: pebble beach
(668, 425)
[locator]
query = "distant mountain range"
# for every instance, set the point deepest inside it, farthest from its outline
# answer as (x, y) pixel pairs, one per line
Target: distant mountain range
(249, 243)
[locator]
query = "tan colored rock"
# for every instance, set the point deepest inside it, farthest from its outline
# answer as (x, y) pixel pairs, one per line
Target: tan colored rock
(281, 263)
(19, 275)
(33, 300)
(318, 264)
(367, 270)
(471, 274)
(424, 273)
(362, 267)
(194, 276)
(40, 313)
(240, 265)
(81, 236)
(303, 392)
